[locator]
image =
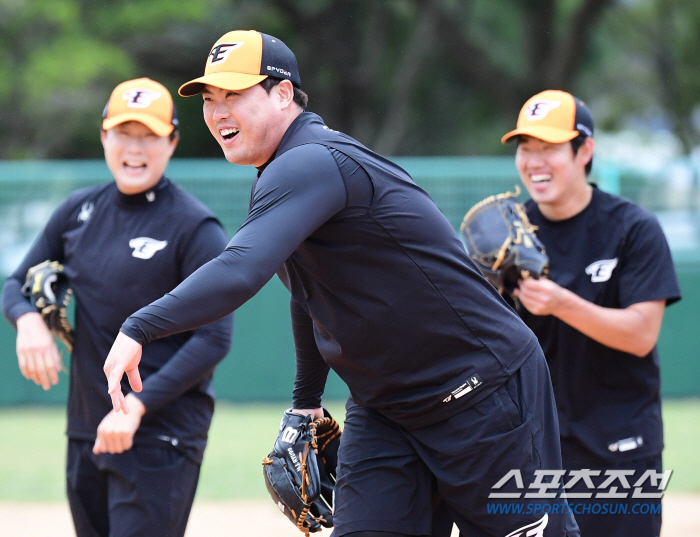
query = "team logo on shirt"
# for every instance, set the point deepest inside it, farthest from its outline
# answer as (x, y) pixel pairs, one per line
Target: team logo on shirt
(536, 529)
(146, 247)
(86, 211)
(600, 271)
(540, 108)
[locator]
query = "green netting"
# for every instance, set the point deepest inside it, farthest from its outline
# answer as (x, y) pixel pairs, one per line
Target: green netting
(261, 363)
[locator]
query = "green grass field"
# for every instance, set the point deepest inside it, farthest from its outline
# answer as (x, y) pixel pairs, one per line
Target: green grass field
(32, 450)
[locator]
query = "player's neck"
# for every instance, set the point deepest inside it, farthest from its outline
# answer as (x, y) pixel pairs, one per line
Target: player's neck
(570, 205)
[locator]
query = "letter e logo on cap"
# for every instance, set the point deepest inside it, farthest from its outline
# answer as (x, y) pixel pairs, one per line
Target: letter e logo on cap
(221, 51)
(139, 97)
(540, 109)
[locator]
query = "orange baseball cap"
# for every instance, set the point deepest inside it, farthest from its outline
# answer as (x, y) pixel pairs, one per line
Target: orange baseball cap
(243, 58)
(143, 100)
(553, 116)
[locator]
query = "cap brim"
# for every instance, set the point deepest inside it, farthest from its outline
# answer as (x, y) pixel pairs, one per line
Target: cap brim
(156, 125)
(548, 134)
(223, 80)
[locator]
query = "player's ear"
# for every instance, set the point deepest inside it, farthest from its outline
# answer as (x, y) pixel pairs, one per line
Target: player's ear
(585, 152)
(173, 140)
(103, 136)
(285, 90)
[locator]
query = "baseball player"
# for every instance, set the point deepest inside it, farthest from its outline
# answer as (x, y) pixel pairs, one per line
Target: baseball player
(449, 388)
(122, 245)
(598, 315)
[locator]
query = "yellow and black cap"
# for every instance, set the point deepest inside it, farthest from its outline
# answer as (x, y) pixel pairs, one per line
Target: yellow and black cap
(143, 100)
(243, 58)
(553, 116)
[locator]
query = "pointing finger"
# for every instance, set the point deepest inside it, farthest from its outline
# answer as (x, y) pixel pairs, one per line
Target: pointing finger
(135, 379)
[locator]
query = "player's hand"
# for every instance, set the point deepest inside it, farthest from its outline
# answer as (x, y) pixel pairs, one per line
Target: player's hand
(540, 297)
(124, 357)
(37, 353)
(115, 434)
(316, 413)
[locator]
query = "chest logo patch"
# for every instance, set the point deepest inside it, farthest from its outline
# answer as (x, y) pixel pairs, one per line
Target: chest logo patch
(600, 271)
(146, 247)
(86, 211)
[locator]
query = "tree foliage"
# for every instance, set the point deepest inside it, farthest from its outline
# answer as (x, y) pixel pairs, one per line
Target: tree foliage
(403, 76)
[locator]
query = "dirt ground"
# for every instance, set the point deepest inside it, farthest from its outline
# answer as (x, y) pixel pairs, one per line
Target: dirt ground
(681, 515)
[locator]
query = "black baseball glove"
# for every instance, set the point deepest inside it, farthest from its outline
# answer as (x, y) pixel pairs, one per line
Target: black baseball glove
(300, 470)
(48, 291)
(502, 241)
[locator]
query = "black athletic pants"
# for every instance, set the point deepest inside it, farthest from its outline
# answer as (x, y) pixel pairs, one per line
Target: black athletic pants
(614, 510)
(389, 478)
(145, 491)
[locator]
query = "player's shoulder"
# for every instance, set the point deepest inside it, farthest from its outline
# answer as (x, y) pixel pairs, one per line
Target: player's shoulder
(305, 154)
(607, 213)
(624, 211)
(309, 141)
(299, 163)
(91, 192)
(185, 204)
(310, 128)
(85, 199)
(635, 227)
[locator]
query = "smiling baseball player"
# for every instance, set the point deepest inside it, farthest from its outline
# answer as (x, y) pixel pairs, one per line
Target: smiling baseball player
(449, 388)
(598, 314)
(122, 245)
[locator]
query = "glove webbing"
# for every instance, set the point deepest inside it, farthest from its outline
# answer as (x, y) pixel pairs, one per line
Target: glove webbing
(520, 236)
(332, 432)
(521, 233)
(489, 200)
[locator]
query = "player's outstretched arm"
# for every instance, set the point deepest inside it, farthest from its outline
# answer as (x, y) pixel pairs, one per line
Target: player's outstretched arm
(292, 199)
(124, 357)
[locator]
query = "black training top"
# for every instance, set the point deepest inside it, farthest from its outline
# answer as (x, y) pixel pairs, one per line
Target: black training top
(382, 288)
(613, 254)
(120, 253)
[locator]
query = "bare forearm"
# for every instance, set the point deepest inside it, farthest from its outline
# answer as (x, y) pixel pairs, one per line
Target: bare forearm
(629, 330)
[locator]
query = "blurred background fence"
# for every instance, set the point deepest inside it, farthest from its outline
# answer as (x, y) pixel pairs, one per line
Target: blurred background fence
(260, 365)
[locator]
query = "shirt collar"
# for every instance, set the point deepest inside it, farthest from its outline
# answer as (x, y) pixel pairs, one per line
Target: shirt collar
(144, 198)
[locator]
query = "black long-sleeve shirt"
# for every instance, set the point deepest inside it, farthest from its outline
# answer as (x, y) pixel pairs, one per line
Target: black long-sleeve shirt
(382, 289)
(120, 253)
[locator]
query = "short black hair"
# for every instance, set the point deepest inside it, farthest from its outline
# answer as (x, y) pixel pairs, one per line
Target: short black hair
(576, 144)
(301, 98)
